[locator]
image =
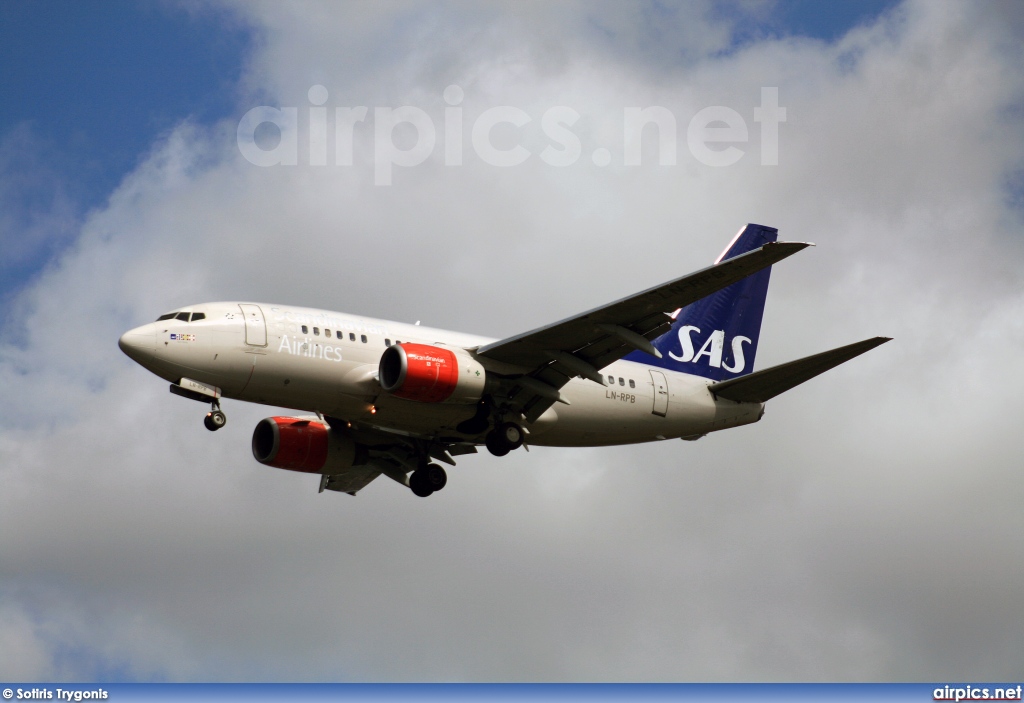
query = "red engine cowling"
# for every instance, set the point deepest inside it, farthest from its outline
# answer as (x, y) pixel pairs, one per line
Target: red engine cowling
(302, 445)
(431, 374)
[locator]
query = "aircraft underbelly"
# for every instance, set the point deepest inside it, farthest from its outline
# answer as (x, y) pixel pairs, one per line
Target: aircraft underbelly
(616, 414)
(602, 416)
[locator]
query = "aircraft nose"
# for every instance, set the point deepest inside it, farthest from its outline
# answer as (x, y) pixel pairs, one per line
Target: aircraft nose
(139, 344)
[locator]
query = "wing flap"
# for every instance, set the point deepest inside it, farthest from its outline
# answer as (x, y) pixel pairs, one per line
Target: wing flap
(761, 386)
(350, 480)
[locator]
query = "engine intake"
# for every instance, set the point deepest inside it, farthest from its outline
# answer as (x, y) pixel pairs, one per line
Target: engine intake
(431, 374)
(296, 444)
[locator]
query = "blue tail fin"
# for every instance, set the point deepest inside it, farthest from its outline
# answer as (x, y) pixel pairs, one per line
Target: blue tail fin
(716, 337)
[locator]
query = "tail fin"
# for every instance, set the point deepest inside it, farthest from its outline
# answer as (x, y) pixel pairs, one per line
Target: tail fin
(716, 337)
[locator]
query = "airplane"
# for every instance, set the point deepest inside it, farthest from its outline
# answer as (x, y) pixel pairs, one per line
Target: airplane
(393, 399)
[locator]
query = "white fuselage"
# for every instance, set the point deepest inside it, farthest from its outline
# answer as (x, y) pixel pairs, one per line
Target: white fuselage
(327, 362)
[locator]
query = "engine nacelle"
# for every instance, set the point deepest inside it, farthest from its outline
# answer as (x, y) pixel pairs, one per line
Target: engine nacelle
(431, 374)
(304, 445)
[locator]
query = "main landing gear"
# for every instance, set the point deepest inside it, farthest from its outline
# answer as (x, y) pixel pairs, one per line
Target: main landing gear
(427, 479)
(215, 419)
(506, 437)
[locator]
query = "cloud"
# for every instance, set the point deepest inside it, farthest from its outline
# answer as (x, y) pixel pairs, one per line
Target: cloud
(866, 528)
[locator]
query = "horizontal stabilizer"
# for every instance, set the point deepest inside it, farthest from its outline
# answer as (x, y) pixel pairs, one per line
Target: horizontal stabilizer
(764, 385)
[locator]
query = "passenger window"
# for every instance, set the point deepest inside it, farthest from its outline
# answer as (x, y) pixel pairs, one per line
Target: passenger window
(387, 342)
(351, 336)
(198, 316)
(183, 316)
(363, 338)
(631, 384)
(621, 382)
(305, 330)
(167, 316)
(327, 333)
(611, 380)
(316, 331)
(340, 336)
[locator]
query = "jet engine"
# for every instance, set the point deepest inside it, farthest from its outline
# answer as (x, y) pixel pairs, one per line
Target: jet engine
(297, 444)
(431, 374)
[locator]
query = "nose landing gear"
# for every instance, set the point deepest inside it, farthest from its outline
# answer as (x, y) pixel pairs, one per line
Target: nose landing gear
(215, 419)
(194, 390)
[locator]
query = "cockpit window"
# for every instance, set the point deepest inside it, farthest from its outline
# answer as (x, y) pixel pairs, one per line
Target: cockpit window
(198, 316)
(166, 316)
(183, 316)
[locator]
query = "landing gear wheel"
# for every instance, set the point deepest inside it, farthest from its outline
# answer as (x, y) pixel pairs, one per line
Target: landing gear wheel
(214, 420)
(436, 477)
(504, 438)
(419, 484)
(512, 435)
(495, 445)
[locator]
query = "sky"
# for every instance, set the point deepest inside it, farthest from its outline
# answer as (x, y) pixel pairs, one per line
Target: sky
(869, 527)
(87, 90)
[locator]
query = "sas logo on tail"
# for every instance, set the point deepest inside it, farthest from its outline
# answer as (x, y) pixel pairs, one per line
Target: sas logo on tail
(712, 349)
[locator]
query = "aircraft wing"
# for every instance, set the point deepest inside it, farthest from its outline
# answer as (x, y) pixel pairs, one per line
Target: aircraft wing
(389, 453)
(583, 344)
(761, 386)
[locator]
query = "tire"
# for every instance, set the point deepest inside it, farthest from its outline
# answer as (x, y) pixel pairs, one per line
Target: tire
(512, 435)
(495, 445)
(436, 477)
(418, 484)
(211, 422)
